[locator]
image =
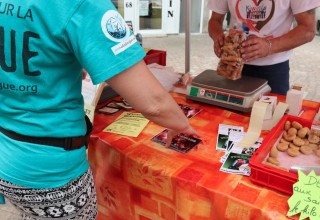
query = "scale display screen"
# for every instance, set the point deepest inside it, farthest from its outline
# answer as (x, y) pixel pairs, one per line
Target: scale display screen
(216, 95)
(236, 99)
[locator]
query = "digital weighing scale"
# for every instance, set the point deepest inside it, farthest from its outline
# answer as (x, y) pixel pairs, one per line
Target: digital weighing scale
(211, 88)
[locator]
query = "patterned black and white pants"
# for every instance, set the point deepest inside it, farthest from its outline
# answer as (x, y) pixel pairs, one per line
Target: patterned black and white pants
(75, 200)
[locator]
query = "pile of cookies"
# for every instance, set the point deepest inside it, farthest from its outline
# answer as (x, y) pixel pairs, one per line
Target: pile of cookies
(296, 140)
(231, 62)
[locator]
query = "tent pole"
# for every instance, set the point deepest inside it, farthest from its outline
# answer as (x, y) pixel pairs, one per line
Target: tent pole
(187, 35)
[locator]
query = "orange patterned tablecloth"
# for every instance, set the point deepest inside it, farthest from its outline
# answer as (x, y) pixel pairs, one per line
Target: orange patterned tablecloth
(138, 179)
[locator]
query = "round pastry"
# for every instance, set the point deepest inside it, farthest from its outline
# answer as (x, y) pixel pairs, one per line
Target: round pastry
(293, 152)
(292, 131)
(274, 152)
(273, 160)
(306, 149)
(282, 140)
(292, 145)
(313, 139)
(302, 133)
(288, 137)
(314, 147)
(298, 141)
(296, 125)
(287, 125)
(282, 147)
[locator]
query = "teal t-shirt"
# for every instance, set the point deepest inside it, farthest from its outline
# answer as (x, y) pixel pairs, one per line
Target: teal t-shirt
(43, 47)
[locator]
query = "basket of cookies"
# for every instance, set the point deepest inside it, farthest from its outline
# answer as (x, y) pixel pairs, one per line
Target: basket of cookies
(289, 144)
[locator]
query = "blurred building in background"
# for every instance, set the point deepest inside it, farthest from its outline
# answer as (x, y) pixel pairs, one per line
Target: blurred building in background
(165, 17)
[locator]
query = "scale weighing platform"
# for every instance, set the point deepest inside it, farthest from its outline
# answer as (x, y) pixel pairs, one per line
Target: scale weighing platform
(211, 88)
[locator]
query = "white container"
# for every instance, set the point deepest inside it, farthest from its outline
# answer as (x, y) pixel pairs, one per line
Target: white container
(294, 100)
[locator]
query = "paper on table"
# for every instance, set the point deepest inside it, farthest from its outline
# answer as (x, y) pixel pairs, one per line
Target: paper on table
(128, 123)
(305, 198)
(223, 135)
(255, 125)
(89, 111)
(277, 115)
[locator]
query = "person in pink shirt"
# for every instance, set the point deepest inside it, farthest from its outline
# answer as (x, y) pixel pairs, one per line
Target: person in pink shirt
(273, 29)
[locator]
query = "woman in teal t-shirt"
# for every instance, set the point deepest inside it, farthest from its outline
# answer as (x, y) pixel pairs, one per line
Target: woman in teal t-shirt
(44, 46)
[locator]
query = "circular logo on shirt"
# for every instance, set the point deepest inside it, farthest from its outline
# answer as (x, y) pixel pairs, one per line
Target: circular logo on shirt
(254, 14)
(114, 27)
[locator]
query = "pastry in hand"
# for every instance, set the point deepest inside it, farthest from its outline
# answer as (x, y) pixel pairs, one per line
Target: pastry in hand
(231, 63)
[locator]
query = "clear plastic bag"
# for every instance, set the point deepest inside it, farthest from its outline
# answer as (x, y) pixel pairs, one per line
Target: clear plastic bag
(231, 63)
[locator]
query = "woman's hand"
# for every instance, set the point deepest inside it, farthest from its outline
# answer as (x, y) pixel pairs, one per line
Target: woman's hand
(255, 47)
(172, 133)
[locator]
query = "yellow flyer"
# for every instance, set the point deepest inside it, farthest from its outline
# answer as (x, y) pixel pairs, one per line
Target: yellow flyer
(306, 197)
(128, 123)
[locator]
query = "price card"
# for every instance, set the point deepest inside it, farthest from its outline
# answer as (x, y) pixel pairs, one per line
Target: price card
(306, 197)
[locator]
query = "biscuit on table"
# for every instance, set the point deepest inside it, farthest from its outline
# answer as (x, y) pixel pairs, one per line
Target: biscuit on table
(292, 131)
(302, 133)
(274, 152)
(306, 150)
(298, 141)
(296, 125)
(273, 161)
(288, 137)
(287, 125)
(282, 147)
(314, 139)
(293, 152)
